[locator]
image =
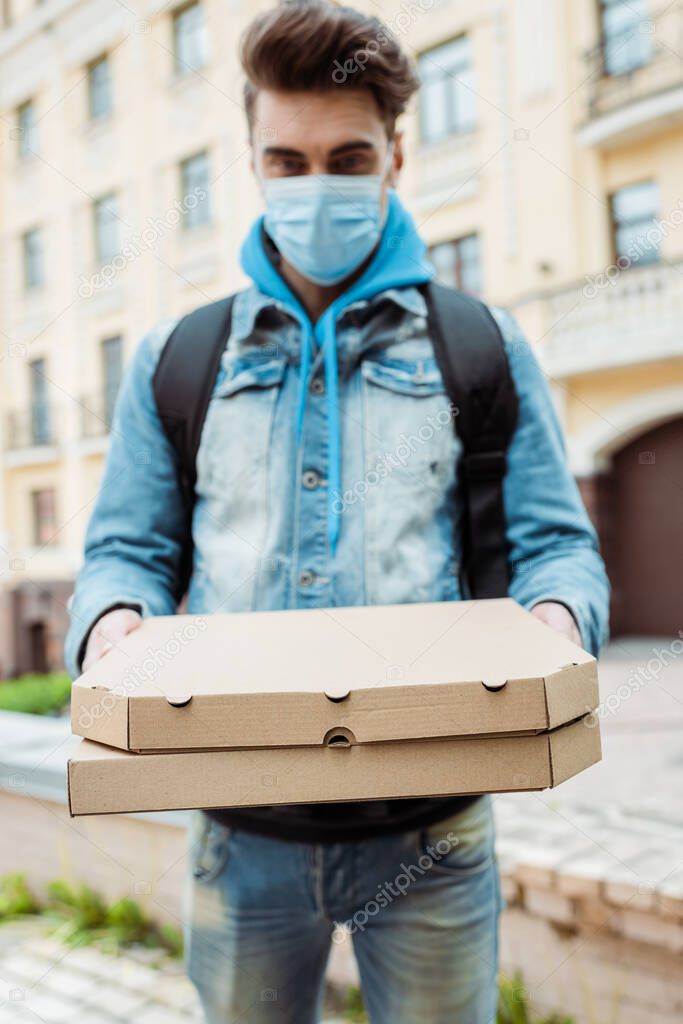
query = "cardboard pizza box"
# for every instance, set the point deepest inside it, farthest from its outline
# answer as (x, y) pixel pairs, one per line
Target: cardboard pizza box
(317, 678)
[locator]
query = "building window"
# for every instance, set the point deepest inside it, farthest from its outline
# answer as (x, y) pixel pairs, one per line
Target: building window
(634, 214)
(189, 39)
(100, 91)
(32, 246)
(106, 217)
(112, 368)
(194, 187)
(625, 43)
(27, 130)
(447, 98)
(44, 516)
(40, 410)
(458, 263)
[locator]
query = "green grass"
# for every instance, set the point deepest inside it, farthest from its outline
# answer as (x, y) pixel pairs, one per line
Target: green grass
(514, 1008)
(16, 899)
(78, 916)
(36, 694)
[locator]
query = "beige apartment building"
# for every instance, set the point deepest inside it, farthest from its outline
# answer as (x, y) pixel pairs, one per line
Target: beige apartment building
(545, 168)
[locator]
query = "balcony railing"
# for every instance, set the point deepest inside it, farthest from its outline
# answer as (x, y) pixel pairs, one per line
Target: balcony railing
(633, 317)
(641, 62)
(30, 428)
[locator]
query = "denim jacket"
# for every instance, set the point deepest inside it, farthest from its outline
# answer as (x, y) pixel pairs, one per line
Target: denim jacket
(260, 523)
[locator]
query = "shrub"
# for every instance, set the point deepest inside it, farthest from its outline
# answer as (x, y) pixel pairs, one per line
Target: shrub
(78, 916)
(36, 694)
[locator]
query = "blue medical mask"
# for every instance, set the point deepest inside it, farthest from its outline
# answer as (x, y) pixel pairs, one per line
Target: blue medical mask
(325, 225)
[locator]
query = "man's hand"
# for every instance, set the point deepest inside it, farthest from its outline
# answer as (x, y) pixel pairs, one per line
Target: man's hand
(108, 631)
(558, 618)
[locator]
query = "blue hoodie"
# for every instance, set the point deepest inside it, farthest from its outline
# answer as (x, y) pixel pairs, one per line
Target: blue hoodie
(399, 260)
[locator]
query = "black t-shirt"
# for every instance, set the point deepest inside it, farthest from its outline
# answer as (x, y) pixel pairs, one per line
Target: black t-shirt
(339, 822)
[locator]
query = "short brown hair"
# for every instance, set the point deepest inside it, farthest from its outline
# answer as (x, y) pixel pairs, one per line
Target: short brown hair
(316, 45)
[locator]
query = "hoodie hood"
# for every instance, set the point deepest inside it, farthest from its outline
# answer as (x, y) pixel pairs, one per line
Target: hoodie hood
(400, 261)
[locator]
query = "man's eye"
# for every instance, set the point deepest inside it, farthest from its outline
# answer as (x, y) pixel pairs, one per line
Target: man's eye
(285, 166)
(351, 164)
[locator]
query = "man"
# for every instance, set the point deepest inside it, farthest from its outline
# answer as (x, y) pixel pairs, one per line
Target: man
(329, 367)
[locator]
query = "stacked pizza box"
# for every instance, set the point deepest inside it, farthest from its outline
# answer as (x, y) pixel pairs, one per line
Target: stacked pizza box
(362, 703)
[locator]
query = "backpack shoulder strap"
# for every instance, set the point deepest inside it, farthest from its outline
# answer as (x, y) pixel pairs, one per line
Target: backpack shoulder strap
(470, 353)
(184, 378)
(183, 383)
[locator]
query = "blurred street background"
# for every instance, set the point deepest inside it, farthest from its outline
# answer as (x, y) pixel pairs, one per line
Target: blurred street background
(545, 170)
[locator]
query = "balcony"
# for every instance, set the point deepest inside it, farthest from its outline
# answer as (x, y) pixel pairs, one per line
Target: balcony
(635, 83)
(30, 429)
(635, 318)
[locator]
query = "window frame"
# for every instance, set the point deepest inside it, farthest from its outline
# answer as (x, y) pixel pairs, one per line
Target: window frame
(109, 393)
(458, 245)
(200, 215)
(181, 65)
(609, 36)
(616, 225)
(28, 145)
(95, 116)
(102, 257)
(33, 282)
(39, 408)
(41, 525)
(456, 124)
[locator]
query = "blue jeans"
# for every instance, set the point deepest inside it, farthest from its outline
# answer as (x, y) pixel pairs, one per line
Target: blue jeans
(421, 908)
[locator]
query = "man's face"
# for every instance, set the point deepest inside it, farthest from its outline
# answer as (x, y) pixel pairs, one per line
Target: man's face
(338, 132)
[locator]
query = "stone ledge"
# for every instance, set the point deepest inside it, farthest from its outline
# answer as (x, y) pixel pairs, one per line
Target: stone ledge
(593, 870)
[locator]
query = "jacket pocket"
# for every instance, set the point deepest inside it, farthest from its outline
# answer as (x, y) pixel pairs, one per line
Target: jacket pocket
(249, 372)
(236, 437)
(418, 378)
(408, 418)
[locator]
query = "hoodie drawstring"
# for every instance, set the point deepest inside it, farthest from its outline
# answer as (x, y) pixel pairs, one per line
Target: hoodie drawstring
(326, 336)
(329, 343)
(304, 369)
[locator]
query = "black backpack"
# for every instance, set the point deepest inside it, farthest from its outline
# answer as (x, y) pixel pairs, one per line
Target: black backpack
(469, 351)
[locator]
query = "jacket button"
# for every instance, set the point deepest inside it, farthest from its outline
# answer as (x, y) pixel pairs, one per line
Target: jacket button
(306, 578)
(310, 479)
(318, 386)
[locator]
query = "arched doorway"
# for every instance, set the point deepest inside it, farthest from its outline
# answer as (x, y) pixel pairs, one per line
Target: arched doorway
(643, 542)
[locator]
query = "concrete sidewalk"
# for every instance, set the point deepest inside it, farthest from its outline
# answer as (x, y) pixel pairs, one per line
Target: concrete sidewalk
(43, 981)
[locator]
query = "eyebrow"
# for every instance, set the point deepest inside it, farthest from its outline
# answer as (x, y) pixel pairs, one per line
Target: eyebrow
(337, 151)
(282, 151)
(346, 146)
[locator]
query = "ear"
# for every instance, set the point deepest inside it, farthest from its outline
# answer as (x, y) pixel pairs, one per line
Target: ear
(397, 160)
